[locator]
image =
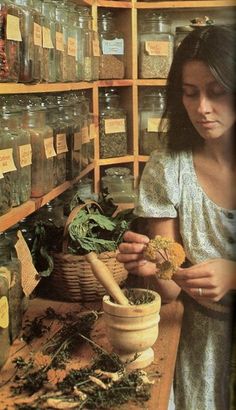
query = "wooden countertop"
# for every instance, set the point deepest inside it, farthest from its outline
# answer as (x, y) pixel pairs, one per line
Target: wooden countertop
(165, 350)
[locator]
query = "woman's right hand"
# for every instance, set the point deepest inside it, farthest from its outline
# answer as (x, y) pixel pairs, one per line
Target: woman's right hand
(131, 254)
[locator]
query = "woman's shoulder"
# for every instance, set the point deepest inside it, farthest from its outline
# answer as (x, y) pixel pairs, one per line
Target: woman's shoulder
(170, 159)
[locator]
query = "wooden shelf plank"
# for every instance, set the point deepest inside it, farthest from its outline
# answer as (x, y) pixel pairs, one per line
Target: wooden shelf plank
(20, 212)
(143, 158)
(185, 4)
(114, 83)
(151, 82)
(117, 160)
(12, 88)
(117, 4)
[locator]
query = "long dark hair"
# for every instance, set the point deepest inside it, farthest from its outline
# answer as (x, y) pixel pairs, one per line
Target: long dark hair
(213, 45)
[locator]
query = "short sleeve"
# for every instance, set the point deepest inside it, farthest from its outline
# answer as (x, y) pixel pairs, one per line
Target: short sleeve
(159, 187)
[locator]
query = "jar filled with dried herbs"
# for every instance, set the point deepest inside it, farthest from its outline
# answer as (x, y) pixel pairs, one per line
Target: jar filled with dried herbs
(55, 121)
(41, 136)
(5, 281)
(112, 45)
(112, 125)
(156, 44)
(72, 44)
(61, 42)
(10, 39)
(15, 292)
(49, 41)
(152, 105)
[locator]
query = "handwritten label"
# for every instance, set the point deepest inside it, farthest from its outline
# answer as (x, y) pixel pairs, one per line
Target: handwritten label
(115, 125)
(157, 48)
(59, 41)
(85, 135)
(72, 46)
(1, 175)
(92, 131)
(96, 48)
(6, 160)
(77, 141)
(49, 148)
(37, 35)
(153, 124)
(29, 275)
(25, 155)
(47, 39)
(13, 28)
(61, 144)
(4, 312)
(114, 47)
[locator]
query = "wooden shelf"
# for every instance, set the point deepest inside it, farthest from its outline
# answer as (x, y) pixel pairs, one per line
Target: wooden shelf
(20, 212)
(12, 88)
(143, 158)
(185, 4)
(151, 82)
(117, 4)
(117, 160)
(114, 83)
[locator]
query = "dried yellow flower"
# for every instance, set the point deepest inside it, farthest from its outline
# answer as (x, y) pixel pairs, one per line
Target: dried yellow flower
(42, 360)
(166, 254)
(55, 376)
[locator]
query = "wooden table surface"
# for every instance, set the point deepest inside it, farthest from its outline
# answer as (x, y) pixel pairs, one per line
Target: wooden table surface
(165, 350)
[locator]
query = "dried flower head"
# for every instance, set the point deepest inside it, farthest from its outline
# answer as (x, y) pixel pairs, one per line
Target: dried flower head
(55, 376)
(166, 254)
(42, 360)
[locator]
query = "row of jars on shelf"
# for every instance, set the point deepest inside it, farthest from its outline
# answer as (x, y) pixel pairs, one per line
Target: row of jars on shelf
(43, 142)
(50, 40)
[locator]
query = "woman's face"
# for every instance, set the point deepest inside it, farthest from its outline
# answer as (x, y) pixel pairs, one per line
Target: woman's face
(209, 106)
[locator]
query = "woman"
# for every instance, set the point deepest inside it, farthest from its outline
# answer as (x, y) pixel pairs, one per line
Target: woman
(188, 193)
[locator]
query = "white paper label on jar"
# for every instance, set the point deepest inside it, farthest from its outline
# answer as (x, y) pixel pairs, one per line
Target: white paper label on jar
(13, 28)
(92, 131)
(115, 125)
(4, 312)
(85, 135)
(113, 47)
(157, 48)
(37, 35)
(59, 41)
(49, 148)
(1, 174)
(6, 160)
(61, 144)
(25, 152)
(72, 46)
(47, 39)
(77, 141)
(154, 123)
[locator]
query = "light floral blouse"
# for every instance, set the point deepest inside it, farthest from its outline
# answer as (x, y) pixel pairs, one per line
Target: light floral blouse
(169, 188)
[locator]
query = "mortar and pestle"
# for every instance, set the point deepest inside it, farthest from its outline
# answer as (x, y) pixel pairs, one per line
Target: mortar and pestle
(131, 329)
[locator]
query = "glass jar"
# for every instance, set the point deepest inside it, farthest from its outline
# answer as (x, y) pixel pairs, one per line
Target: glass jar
(152, 107)
(87, 149)
(10, 39)
(5, 281)
(49, 41)
(15, 293)
(112, 45)
(90, 47)
(61, 42)
(155, 46)
(120, 184)
(112, 125)
(41, 136)
(72, 45)
(59, 127)
(180, 33)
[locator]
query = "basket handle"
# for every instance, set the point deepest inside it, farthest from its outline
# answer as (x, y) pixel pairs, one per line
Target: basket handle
(70, 218)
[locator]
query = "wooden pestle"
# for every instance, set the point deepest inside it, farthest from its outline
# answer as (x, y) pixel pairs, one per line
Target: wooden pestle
(105, 277)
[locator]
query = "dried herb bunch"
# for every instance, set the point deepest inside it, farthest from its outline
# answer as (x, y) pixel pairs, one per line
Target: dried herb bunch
(136, 297)
(166, 254)
(50, 384)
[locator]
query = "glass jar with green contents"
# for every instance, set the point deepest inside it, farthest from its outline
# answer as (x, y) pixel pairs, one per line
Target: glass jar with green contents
(112, 125)
(10, 39)
(156, 43)
(41, 136)
(61, 42)
(120, 184)
(152, 105)
(112, 45)
(49, 41)
(60, 138)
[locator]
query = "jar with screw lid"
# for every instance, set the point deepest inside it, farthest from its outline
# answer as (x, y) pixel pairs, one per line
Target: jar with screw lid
(112, 46)
(120, 184)
(152, 105)
(156, 44)
(113, 125)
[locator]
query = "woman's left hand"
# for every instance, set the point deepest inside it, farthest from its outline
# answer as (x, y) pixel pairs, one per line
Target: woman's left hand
(208, 280)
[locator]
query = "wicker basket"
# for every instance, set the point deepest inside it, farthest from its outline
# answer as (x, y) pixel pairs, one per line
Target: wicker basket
(72, 278)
